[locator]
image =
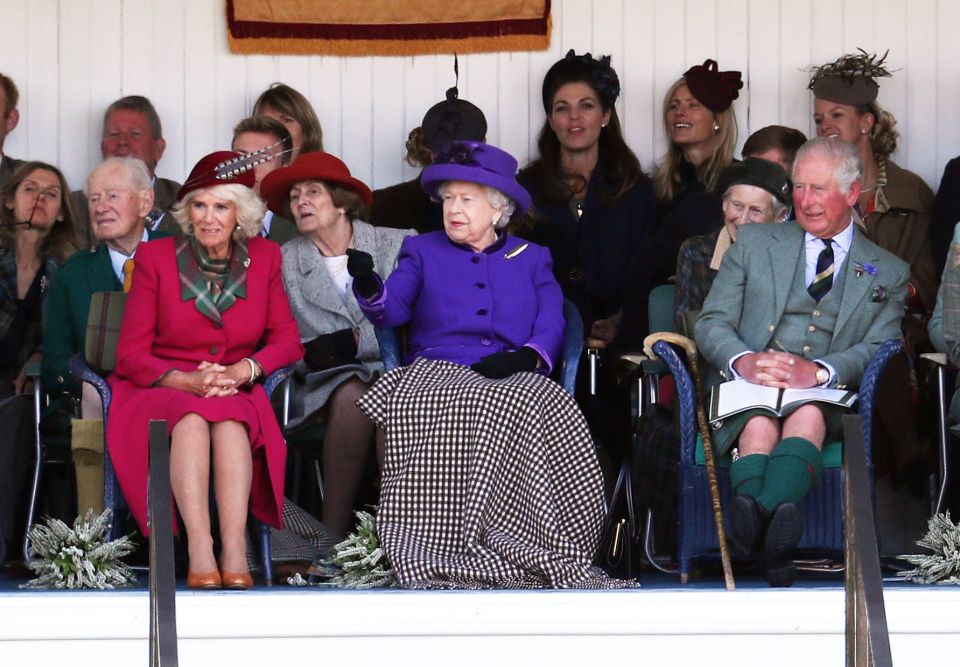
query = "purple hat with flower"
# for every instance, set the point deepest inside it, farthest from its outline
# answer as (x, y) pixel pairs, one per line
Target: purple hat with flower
(479, 163)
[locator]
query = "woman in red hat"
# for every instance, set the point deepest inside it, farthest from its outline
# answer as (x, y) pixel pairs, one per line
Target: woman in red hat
(206, 318)
(342, 356)
(701, 127)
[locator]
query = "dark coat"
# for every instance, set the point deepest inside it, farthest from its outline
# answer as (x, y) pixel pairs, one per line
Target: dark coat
(406, 206)
(591, 255)
(7, 166)
(65, 328)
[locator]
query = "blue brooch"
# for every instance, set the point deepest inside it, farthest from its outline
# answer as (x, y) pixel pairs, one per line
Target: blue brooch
(878, 294)
(860, 269)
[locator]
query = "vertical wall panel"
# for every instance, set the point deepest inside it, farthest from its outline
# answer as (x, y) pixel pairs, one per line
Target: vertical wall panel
(701, 31)
(330, 93)
(230, 75)
(733, 52)
(669, 60)
(17, 57)
(759, 103)
(639, 109)
(795, 60)
(136, 46)
(356, 114)
(37, 134)
(200, 83)
(76, 131)
(941, 122)
(168, 73)
(917, 150)
(72, 57)
(512, 110)
(387, 122)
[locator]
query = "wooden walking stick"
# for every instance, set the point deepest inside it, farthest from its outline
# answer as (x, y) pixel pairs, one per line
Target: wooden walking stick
(692, 358)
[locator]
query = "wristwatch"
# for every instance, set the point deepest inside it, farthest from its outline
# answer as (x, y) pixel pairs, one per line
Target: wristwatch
(823, 376)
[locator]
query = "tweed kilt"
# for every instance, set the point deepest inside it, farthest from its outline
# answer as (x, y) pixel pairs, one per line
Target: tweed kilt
(486, 483)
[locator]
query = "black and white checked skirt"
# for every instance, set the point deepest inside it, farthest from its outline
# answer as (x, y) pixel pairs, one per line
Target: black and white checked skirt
(486, 483)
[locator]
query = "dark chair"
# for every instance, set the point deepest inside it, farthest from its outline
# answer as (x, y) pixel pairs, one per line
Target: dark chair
(49, 450)
(823, 506)
(943, 373)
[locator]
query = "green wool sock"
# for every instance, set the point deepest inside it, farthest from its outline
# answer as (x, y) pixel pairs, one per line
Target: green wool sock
(794, 467)
(747, 474)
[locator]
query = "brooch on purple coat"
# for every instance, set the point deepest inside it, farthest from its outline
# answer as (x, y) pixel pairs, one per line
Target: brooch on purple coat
(516, 251)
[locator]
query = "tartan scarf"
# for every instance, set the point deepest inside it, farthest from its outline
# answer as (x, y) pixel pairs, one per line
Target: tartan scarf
(198, 272)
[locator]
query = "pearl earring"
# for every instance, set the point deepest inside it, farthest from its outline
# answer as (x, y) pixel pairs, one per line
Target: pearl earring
(716, 127)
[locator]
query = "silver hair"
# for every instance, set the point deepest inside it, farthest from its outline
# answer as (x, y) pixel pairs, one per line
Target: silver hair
(778, 210)
(844, 156)
(135, 169)
(497, 199)
(250, 209)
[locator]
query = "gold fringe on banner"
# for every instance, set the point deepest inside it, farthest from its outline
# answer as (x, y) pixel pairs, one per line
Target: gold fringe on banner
(392, 47)
(390, 27)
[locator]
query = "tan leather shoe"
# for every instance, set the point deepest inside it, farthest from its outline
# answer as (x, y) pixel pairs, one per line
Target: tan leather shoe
(207, 581)
(237, 581)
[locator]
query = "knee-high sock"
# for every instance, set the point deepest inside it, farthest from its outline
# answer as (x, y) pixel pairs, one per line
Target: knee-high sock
(747, 474)
(87, 444)
(793, 468)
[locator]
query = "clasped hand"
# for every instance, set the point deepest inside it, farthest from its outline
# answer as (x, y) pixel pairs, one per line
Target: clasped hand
(777, 369)
(210, 380)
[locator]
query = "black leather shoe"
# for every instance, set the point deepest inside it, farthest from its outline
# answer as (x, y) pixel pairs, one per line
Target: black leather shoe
(746, 526)
(783, 536)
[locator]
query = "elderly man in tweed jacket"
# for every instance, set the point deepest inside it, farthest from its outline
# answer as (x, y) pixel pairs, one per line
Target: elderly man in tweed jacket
(796, 305)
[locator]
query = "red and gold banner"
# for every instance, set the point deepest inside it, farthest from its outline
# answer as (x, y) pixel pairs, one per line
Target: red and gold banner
(387, 27)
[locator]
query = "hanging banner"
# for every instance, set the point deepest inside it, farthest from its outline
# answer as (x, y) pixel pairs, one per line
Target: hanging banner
(387, 27)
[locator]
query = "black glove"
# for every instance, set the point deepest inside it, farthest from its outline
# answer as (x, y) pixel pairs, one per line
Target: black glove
(360, 266)
(329, 350)
(503, 364)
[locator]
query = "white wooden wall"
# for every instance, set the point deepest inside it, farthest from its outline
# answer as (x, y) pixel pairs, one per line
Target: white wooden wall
(71, 58)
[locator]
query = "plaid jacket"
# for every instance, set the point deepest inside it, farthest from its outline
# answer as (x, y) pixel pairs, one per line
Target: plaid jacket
(694, 277)
(33, 338)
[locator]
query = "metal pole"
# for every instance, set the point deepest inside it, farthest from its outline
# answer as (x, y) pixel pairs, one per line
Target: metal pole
(868, 643)
(163, 585)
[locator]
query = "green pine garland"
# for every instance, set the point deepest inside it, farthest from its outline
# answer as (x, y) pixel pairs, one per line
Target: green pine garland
(359, 559)
(78, 557)
(943, 565)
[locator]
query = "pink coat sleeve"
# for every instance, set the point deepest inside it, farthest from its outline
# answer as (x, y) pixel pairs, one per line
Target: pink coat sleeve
(135, 359)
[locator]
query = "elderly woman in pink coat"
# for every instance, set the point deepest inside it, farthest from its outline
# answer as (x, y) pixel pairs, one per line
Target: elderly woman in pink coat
(207, 317)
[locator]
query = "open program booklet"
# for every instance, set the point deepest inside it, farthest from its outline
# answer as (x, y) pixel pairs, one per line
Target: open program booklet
(730, 398)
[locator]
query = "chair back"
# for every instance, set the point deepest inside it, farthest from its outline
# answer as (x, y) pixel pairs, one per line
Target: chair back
(389, 344)
(573, 337)
(660, 309)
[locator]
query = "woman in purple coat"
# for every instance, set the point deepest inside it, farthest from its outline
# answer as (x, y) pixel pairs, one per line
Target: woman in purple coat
(490, 477)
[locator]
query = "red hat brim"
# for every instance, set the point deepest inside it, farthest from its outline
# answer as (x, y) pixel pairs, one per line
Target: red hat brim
(275, 188)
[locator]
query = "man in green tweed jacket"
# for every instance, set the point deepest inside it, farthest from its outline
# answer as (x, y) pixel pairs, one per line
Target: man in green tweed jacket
(121, 195)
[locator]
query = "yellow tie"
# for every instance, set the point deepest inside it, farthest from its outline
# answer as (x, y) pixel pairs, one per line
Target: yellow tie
(127, 274)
